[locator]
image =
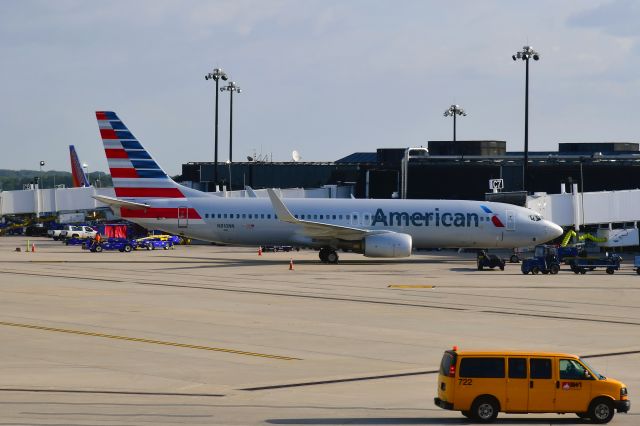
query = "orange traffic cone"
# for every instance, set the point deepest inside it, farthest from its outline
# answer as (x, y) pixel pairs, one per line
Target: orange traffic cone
(33, 247)
(260, 251)
(291, 264)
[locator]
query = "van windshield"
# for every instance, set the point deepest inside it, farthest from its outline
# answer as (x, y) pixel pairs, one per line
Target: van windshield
(593, 370)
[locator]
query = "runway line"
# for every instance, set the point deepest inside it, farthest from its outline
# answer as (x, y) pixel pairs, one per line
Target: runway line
(151, 341)
(410, 286)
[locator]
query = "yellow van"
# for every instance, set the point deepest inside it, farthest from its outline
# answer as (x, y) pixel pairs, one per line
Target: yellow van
(481, 384)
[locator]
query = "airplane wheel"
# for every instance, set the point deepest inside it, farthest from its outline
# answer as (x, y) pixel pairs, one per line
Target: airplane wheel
(514, 259)
(332, 257)
(323, 255)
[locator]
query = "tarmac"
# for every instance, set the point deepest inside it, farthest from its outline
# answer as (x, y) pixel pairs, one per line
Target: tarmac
(211, 335)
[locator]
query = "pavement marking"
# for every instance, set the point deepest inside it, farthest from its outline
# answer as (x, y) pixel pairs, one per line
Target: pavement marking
(109, 392)
(349, 379)
(155, 342)
(410, 286)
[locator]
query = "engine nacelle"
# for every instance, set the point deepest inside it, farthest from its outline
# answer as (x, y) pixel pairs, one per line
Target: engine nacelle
(389, 244)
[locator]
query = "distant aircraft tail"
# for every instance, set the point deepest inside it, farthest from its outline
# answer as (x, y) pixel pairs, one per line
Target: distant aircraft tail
(77, 174)
(134, 172)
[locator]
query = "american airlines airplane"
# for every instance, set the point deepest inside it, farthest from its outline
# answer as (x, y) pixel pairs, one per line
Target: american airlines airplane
(376, 228)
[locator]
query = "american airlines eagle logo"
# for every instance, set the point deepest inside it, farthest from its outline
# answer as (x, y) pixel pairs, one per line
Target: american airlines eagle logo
(494, 218)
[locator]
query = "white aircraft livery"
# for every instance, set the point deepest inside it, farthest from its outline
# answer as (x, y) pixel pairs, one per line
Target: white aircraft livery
(376, 228)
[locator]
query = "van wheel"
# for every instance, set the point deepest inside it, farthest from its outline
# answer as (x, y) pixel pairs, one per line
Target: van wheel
(485, 409)
(601, 411)
(467, 414)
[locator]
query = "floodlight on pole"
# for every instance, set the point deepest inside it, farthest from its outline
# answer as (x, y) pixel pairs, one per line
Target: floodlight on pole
(231, 87)
(216, 75)
(525, 54)
(454, 111)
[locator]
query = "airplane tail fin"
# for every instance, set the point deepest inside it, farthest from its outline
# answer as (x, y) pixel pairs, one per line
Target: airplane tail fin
(77, 174)
(134, 172)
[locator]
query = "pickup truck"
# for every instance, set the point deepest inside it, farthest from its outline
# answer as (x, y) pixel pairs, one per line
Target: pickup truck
(73, 231)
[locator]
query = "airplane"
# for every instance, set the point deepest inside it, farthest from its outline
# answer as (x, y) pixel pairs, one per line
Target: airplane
(77, 174)
(146, 195)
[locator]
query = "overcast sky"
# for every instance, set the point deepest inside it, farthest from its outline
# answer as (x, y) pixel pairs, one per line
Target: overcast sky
(326, 78)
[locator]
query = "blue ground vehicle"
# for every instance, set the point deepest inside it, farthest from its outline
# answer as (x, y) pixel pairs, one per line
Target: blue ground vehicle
(120, 244)
(610, 261)
(84, 242)
(545, 260)
(153, 244)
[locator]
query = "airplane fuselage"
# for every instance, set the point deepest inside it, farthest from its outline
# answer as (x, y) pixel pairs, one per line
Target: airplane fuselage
(431, 223)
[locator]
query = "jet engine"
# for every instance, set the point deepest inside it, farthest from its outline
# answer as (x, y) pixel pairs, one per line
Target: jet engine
(390, 244)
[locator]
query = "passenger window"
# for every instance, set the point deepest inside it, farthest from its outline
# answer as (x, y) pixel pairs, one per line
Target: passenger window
(482, 367)
(244, 215)
(320, 216)
(250, 215)
(540, 368)
(315, 216)
(219, 215)
(268, 216)
(572, 370)
(206, 215)
(333, 217)
(517, 368)
(225, 215)
(340, 217)
(261, 216)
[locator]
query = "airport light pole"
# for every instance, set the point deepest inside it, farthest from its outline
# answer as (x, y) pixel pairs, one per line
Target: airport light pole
(231, 87)
(41, 183)
(85, 167)
(216, 75)
(454, 111)
(525, 54)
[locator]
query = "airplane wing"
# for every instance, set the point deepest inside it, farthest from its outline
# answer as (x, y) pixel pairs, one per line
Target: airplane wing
(316, 229)
(116, 202)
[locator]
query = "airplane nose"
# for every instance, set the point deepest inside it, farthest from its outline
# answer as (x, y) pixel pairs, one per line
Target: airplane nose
(553, 230)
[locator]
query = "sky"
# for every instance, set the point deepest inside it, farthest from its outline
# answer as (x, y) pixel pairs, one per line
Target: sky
(326, 78)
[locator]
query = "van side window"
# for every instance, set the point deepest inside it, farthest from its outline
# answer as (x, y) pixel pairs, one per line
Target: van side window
(482, 367)
(540, 368)
(572, 370)
(517, 368)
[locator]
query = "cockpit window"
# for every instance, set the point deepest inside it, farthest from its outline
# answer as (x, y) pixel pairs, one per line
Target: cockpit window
(535, 217)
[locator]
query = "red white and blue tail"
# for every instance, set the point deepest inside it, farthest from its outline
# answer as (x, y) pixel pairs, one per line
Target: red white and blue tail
(77, 174)
(134, 172)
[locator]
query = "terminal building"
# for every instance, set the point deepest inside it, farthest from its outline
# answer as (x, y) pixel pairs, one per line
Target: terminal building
(446, 171)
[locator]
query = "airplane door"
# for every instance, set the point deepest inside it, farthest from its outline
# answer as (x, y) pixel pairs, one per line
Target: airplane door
(183, 217)
(511, 220)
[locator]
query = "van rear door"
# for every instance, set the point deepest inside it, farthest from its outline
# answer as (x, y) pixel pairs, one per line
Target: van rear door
(446, 377)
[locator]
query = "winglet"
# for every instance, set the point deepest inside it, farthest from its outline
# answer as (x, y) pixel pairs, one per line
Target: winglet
(250, 192)
(281, 210)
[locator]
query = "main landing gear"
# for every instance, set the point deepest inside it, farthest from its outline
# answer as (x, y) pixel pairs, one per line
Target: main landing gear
(328, 255)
